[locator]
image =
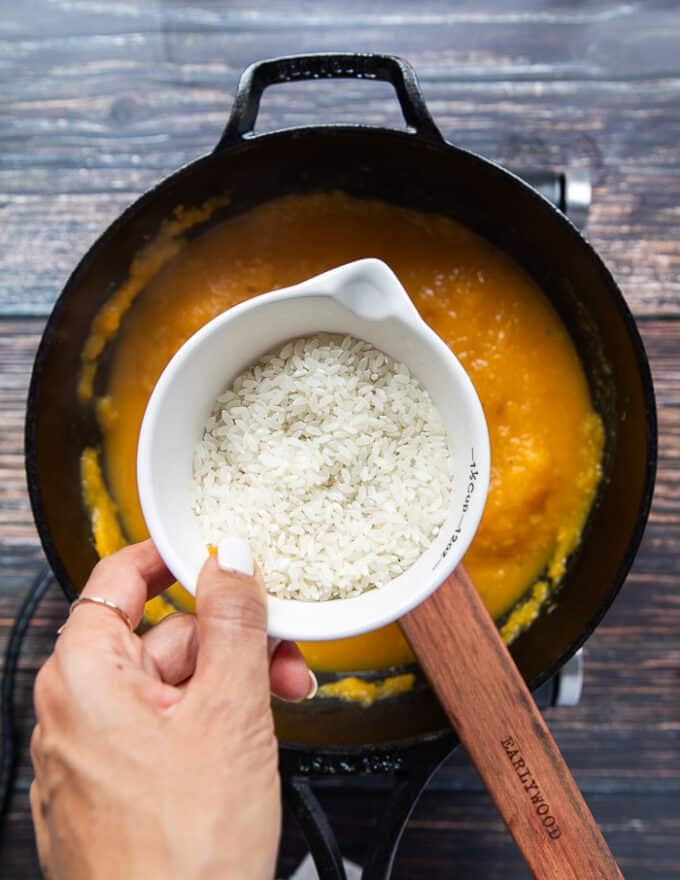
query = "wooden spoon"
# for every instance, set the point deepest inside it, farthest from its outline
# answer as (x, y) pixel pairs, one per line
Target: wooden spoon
(503, 732)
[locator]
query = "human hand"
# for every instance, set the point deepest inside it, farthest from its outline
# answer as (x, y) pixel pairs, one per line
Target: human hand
(155, 756)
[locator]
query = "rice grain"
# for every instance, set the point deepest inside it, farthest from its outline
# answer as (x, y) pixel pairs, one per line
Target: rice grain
(331, 460)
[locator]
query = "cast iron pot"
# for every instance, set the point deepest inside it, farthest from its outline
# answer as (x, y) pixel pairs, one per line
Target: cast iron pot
(418, 169)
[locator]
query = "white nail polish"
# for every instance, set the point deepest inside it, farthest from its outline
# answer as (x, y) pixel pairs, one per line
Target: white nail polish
(233, 554)
(314, 686)
(311, 693)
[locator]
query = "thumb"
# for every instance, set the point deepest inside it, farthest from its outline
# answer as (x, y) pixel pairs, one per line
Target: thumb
(231, 617)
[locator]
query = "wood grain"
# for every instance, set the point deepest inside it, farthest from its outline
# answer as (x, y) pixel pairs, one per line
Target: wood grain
(458, 835)
(105, 99)
(99, 100)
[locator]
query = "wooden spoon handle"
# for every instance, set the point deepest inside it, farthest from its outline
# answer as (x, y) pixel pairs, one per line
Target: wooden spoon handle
(502, 730)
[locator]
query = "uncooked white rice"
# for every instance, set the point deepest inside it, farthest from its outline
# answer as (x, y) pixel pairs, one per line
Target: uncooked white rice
(331, 460)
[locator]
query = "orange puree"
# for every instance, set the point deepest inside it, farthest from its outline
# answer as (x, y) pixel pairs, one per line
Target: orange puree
(546, 440)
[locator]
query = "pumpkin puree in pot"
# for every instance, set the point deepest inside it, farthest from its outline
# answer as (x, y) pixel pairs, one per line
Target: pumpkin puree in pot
(546, 439)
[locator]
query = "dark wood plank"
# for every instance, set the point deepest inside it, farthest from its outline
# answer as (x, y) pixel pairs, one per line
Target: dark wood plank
(18, 566)
(465, 840)
(18, 343)
(495, 39)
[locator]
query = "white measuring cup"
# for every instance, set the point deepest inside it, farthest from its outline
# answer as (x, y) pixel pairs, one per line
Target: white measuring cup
(363, 299)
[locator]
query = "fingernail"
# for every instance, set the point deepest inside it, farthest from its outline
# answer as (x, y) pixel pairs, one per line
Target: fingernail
(314, 686)
(311, 693)
(233, 554)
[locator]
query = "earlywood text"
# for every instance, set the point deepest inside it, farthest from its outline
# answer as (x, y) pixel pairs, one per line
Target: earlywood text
(531, 787)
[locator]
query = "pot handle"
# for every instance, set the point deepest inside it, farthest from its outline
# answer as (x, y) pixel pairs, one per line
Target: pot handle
(354, 65)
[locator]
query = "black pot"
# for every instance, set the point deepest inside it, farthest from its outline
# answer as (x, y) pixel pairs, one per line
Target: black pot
(418, 169)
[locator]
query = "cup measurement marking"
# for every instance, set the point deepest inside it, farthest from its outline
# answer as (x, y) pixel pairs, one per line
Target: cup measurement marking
(473, 474)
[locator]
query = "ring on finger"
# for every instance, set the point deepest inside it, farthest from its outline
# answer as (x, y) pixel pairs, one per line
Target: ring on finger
(103, 603)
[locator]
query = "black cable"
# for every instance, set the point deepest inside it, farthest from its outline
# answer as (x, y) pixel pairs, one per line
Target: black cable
(8, 757)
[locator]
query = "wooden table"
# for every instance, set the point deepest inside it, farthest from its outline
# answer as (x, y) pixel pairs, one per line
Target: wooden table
(100, 100)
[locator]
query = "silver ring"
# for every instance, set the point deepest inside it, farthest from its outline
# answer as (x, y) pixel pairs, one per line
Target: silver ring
(97, 600)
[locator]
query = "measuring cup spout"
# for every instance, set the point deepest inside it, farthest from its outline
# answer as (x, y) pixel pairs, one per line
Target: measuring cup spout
(371, 291)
